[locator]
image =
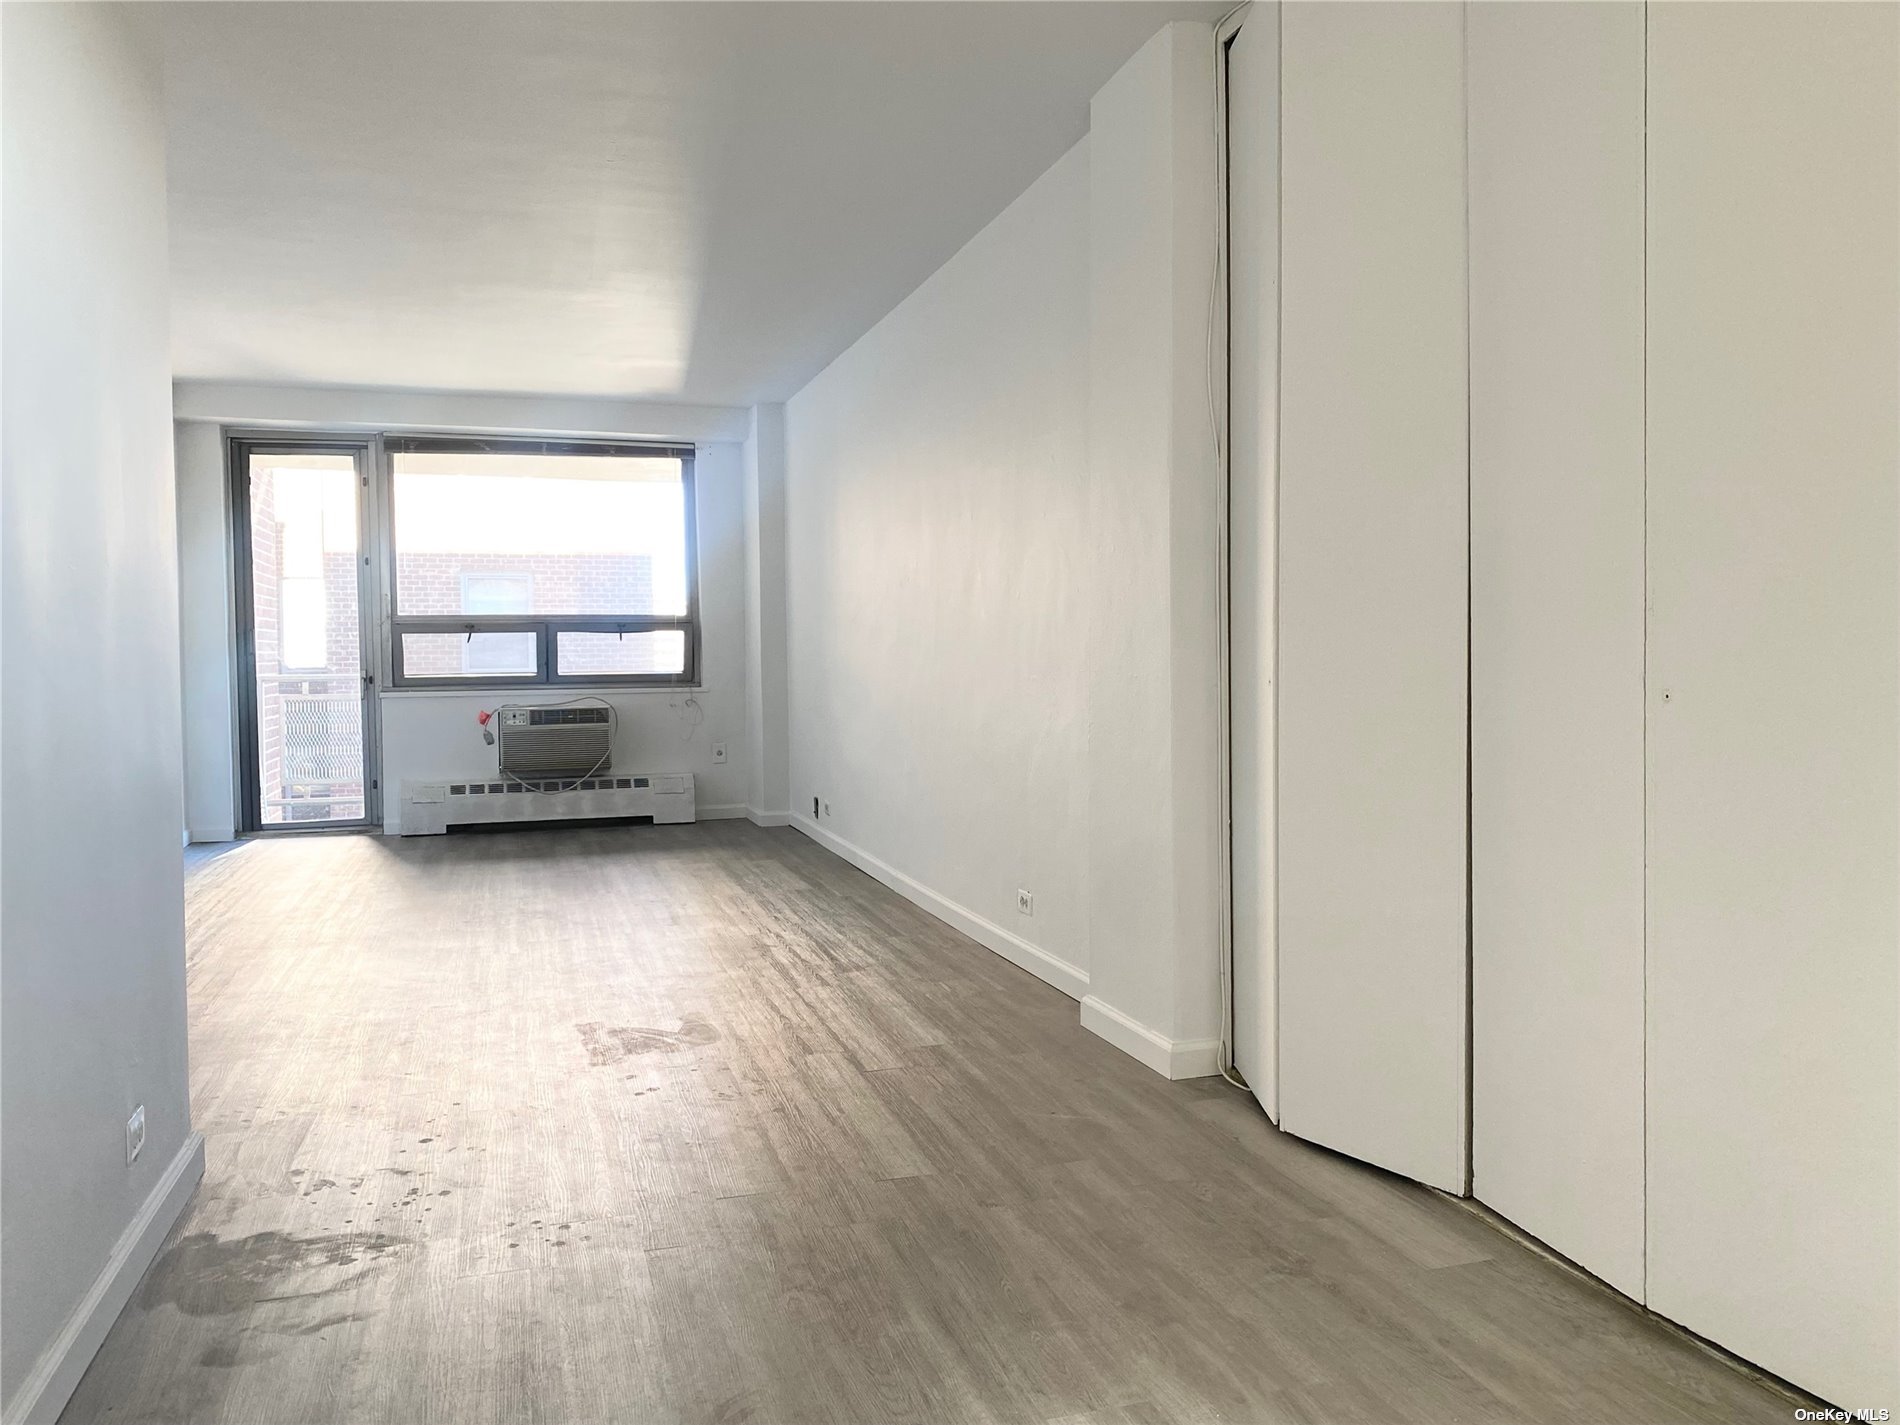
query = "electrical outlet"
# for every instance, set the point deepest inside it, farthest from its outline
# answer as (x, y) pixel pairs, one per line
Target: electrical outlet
(719, 752)
(1025, 903)
(827, 808)
(134, 1135)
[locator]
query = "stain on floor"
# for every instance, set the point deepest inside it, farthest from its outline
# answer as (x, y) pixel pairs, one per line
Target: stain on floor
(205, 1275)
(614, 1044)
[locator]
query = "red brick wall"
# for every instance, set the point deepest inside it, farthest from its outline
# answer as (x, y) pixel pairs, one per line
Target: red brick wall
(585, 584)
(598, 584)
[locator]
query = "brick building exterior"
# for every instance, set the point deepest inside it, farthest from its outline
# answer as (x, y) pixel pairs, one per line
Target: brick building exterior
(534, 585)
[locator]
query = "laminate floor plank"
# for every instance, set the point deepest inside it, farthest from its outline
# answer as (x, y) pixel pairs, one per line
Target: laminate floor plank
(702, 1125)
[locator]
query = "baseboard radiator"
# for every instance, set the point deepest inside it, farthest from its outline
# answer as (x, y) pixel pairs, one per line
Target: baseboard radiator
(431, 808)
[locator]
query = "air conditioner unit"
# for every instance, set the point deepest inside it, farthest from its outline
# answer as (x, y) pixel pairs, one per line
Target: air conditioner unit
(555, 742)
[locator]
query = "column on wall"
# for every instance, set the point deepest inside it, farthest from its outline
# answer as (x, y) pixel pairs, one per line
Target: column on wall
(1154, 836)
(767, 734)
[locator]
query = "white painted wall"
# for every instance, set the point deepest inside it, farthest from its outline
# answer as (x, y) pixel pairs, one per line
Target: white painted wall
(1774, 686)
(1556, 153)
(1372, 584)
(92, 981)
(1001, 606)
(768, 745)
(205, 583)
(936, 557)
(1253, 228)
(1155, 841)
(430, 734)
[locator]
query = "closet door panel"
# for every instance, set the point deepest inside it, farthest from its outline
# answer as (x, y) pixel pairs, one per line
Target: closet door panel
(1556, 155)
(1372, 589)
(1774, 686)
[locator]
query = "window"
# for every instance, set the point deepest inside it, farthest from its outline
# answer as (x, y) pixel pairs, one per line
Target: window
(303, 602)
(511, 653)
(538, 562)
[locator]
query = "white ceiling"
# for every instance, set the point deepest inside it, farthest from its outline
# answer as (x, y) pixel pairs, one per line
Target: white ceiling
(699, 202)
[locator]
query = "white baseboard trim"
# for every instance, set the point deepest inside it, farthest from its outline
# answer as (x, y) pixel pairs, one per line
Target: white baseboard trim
(1072, 980)
(768, 818)
(729, 811)
(1171, 1058)
(55, 1375)
(215, 834)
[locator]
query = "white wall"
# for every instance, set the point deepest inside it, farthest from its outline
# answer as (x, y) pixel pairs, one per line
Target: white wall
(430, 734)
(768, 745)
(936, 560)
(1154, 828)
(93, 976)
(1002, 615)
(1372, 616)
(204, 593)
(1556, 210)
(1774, 686)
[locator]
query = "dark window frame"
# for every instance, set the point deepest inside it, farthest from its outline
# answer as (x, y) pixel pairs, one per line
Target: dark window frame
(239, 446)
(547, 630)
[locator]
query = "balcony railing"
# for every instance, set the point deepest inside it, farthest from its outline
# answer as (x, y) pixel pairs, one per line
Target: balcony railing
(319, 761)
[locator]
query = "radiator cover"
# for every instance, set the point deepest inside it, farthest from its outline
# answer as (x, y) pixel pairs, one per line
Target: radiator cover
(431, 808)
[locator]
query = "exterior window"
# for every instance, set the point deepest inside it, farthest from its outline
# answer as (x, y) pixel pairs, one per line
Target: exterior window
(303, 612)
(509, 594)
(542, 562)
(303, 602)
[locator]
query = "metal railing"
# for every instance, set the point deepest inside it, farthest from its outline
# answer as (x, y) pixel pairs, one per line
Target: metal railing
(320, 753)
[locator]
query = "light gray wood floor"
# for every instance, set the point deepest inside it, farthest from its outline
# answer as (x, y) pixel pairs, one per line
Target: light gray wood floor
(701, 1124)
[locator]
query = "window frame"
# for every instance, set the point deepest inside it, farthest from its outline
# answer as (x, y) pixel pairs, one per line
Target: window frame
(548, 629)
(240, 445)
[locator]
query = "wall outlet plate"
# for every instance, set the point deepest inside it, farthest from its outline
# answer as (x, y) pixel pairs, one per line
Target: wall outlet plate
(719, 752)
(134, 1135)
(827, 808)
(1025, 903)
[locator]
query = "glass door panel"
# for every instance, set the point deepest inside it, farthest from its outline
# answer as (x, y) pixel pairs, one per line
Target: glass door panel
(306, 639)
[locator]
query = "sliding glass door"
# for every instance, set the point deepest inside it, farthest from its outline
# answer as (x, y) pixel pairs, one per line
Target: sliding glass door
(303, 638)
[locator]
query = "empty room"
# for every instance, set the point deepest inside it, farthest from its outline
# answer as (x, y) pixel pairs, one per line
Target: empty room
(1022, 713)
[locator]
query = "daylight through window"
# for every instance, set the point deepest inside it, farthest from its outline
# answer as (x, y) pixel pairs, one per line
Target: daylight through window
(542, 563)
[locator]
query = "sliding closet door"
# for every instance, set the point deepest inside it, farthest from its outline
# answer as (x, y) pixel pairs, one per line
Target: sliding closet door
(1556, 152)
(1372, 590)
(1253, 227)
(1774, 687)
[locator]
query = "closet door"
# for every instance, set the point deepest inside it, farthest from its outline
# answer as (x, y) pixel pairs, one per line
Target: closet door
(1253, 226)
(1774, 686)
(1556, 151)
(1372, 605)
